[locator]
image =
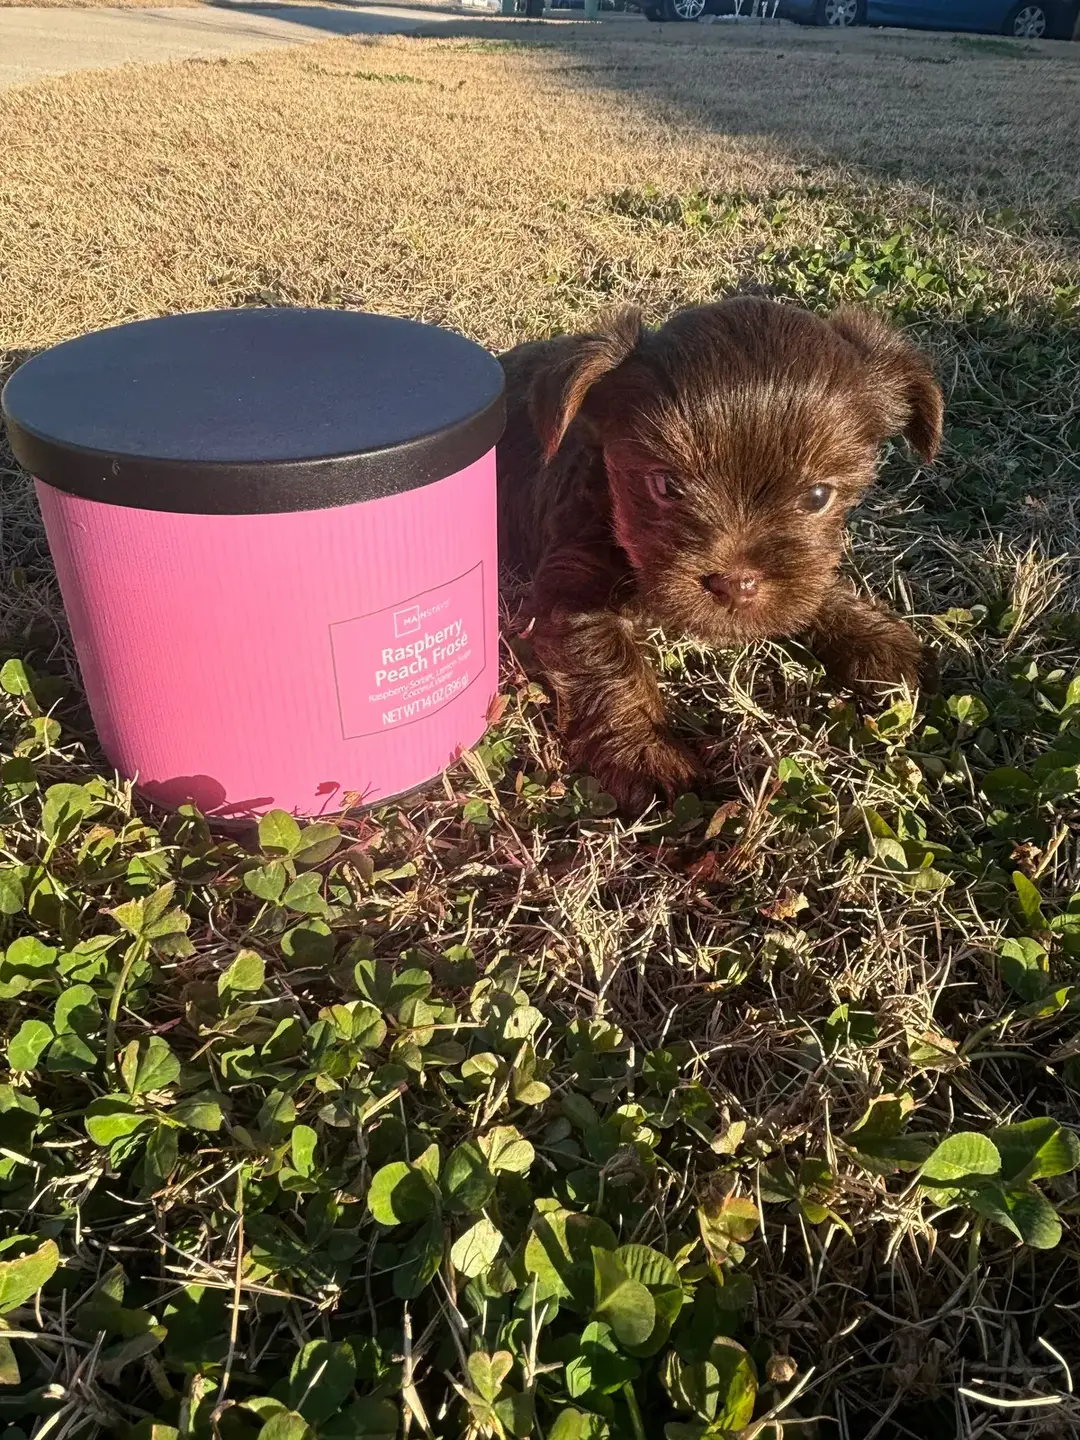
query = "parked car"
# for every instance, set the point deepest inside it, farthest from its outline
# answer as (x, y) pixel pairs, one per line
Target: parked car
(692, 9)
(1030, 19)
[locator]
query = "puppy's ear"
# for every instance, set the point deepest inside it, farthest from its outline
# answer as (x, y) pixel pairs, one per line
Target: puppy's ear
(576, 363)
(900, 377)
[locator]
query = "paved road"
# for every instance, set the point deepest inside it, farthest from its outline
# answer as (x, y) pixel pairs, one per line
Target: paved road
(37, 42)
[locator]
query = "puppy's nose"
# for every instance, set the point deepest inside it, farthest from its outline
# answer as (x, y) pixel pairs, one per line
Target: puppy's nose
(735, 587)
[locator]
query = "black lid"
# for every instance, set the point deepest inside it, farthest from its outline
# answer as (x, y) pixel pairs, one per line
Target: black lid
(236, 412)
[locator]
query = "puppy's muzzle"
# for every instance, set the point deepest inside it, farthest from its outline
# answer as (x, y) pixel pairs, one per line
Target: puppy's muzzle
(733, 588)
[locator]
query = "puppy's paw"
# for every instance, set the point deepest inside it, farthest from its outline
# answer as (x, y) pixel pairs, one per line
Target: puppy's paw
(886, 654)
(635, 772)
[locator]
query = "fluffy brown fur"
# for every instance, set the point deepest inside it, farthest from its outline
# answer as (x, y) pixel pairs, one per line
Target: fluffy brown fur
(698, 477)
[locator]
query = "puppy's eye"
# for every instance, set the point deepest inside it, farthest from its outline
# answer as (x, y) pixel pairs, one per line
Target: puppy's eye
(817, 498)
(661, 485)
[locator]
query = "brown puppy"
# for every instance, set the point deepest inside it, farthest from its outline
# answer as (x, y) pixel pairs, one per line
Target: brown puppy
(698, 477)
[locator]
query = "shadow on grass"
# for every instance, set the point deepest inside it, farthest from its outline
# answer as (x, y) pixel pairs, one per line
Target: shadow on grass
(946, 105)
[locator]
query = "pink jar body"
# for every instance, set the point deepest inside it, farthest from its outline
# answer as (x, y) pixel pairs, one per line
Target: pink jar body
(306, 661)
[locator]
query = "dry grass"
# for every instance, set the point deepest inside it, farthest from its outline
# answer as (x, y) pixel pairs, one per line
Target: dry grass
(514, 189)
(474, 195)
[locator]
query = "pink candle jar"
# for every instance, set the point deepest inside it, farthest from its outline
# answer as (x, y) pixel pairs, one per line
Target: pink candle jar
(275, 535)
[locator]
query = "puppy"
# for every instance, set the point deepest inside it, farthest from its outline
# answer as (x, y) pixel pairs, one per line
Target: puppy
(698, 477)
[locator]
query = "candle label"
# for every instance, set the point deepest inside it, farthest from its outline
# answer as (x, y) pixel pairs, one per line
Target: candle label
(399, 665)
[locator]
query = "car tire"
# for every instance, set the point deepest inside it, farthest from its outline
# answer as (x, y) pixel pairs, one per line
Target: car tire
(1030, 20)
(841, 14)
(685, 10)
